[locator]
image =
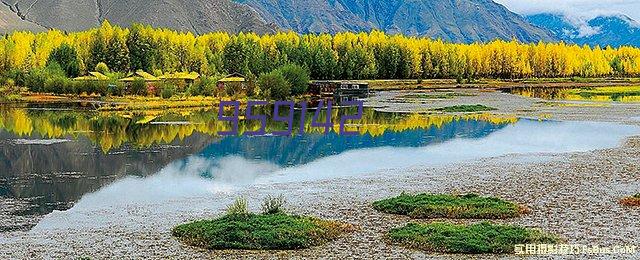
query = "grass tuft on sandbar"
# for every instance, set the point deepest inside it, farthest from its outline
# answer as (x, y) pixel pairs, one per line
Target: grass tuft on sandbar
(482, 238)
(272, 230)
(469, 206)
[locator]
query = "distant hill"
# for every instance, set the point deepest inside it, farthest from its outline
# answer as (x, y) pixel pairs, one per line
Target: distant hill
(198, 16)
(10, 21)
(603, 30)
(451, 20)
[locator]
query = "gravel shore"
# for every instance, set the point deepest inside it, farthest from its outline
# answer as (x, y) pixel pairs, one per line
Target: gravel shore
(573, 195)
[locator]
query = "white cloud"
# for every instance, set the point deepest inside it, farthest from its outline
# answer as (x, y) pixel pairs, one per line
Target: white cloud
(577, 12)
(583, 9)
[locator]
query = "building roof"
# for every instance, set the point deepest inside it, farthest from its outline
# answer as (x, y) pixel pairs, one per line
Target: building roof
(146, 76)
(181, 75)
(139, 75)
(93, 76)
(233, 77)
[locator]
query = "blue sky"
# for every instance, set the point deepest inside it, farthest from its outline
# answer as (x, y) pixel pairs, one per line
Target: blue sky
(576, 8)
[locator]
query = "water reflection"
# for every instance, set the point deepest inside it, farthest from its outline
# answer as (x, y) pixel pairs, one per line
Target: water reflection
(203, 182)
(51, 158)
(111, 130)
(605, 94)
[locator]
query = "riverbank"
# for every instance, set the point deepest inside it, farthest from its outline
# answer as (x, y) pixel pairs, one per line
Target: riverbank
(508, 104)
(385, 85)
(574, 195)
(139, 103)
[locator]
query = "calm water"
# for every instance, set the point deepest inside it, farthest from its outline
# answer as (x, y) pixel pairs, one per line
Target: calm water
(61, 159)
(608, 94)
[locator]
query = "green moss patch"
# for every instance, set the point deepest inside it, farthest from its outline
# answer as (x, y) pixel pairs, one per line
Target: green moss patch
(465, 108)
(470, 206)
(260, 232)
(482, 238)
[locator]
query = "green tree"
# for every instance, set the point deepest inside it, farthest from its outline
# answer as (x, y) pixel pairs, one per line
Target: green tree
(242, 54)
(67, 57)
(297, 77)
(118, 54)
(274, 85)
(236, 56)
(98, 50)
(141, 49)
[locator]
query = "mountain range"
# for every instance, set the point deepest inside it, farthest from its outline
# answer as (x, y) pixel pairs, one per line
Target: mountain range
(450, 20)
(612, 30)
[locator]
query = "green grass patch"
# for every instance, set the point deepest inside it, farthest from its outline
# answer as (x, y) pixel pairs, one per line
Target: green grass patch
(468, 206)
(465, 108)
(272, 230)
(259, 232)
(482, 238)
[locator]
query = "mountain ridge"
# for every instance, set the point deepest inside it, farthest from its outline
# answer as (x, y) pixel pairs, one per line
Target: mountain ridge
(450, 20)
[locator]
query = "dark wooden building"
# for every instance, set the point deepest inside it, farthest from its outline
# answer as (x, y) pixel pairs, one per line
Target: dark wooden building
(339, 90)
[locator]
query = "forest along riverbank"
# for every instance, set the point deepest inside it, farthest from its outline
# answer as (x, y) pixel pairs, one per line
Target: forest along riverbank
(571, 189)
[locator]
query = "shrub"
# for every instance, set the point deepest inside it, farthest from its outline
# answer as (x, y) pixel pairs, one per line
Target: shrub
(18, 76)
(239, 207)
(116, 89)
(199, 88)
(273, 205)
(468, 206)
(138, 87)
(482, 238)
(631, 201)
(168, 90)
(35, 80)
(297, 76)
(67, 57)
(274, 85)
(206, 86)
(233, 88)
(102, 68)
(91, 87)
(58, 85)
(48, 79)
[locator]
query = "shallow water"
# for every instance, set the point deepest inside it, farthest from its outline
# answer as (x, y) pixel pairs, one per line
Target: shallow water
(79, 161)
(604, 94)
